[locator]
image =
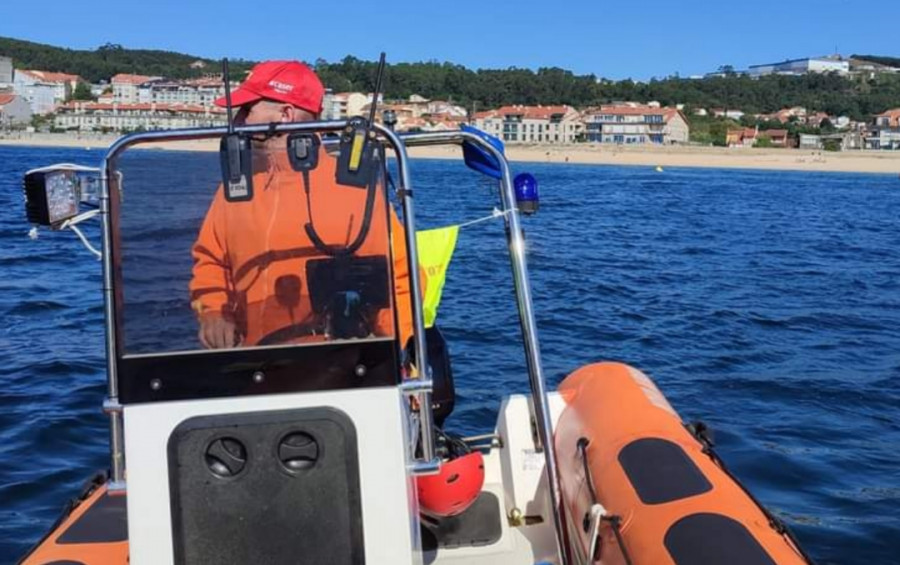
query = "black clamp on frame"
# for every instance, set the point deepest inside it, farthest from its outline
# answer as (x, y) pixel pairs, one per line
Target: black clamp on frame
(303, 151)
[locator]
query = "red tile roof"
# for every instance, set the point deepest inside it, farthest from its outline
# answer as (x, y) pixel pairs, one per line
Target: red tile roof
(6, 99)
(892, 115)
(534, 112)
(123, 78)
(632, 110)
(46, 76)
(740, 135)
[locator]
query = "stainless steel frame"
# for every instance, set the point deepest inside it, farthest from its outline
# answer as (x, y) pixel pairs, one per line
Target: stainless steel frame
(419, 385)
(516, 241)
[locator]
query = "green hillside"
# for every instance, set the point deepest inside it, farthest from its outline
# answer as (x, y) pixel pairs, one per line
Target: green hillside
(108, 60)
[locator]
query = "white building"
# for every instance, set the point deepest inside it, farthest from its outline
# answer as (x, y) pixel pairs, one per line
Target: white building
(735, 115)
(98, 89)
(802, 67)
(201, 92)
(531, 124)
(126, 87)
(44, 90)
(14, 111)
(347, 104)
(441, 107)
(885, 131)
(636, 124)
(93, 116)
(6, 71)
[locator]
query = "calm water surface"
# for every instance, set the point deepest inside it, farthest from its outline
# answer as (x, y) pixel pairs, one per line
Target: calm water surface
(765, 303)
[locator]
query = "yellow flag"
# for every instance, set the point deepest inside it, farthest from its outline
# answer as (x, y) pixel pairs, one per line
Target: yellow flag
(435, 250)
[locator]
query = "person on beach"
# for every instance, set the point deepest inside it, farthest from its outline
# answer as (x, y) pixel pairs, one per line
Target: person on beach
(248, 282)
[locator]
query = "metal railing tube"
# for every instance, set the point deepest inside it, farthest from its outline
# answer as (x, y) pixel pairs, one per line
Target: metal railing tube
(426, 418)
(116, 429)
(540, 404)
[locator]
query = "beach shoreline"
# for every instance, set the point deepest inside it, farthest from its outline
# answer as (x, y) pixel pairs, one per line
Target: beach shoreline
(884, 162)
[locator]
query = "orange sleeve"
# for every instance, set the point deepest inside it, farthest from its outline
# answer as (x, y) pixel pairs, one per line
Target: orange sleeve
(210, 278)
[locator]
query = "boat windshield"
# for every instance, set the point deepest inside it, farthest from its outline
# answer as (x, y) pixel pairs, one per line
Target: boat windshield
(303, 259)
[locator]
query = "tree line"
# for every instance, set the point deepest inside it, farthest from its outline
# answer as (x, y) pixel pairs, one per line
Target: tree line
(480, 89)
(857, 98)
(110, 59)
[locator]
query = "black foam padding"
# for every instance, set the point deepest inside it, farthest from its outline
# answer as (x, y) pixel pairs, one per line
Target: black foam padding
(104, 522)
(268, 511)
(713, 539)
(660, 471)
(479, 525)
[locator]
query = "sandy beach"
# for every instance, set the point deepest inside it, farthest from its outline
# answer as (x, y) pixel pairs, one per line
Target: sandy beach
(886, 162)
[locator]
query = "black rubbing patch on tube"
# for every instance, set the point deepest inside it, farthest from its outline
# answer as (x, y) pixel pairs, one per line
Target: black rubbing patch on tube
(660, 471)
(713, 539)
(106, 521)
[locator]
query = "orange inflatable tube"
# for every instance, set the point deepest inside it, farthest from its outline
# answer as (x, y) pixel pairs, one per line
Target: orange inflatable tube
(93, 531)
(663, 495)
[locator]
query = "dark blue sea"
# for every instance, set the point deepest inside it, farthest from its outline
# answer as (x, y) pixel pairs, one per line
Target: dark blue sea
(765, 303)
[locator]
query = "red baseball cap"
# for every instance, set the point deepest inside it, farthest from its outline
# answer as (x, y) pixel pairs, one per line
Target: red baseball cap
(290, 82)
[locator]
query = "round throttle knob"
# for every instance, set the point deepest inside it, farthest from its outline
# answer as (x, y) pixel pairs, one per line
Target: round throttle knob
(226, 457)
(298, 451)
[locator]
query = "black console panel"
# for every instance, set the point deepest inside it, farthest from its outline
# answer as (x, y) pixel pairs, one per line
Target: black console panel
(266, 487)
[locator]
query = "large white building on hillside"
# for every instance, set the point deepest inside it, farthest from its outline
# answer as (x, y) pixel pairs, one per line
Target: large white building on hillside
(802, 66)
(531, 124)
(631, 123)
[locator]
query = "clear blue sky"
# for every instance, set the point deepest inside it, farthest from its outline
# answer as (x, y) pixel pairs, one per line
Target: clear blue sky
(615, 39)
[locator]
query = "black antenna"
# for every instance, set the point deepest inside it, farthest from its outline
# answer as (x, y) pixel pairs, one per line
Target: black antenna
(227, 80)
(379, 75)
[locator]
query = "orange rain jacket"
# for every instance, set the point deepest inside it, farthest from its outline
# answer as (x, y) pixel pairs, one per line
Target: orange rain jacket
(249, 253)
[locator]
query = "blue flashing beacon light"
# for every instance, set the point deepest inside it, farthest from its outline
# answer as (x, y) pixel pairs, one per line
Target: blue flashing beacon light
(527, 198)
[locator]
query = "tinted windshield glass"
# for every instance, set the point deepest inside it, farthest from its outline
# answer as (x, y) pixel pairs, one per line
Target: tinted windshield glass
(307, 259)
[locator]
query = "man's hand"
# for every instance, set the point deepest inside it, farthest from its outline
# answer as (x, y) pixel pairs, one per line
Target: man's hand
(217, 332)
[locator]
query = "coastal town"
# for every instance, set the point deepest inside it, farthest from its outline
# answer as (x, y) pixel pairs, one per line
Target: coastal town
(34, 101)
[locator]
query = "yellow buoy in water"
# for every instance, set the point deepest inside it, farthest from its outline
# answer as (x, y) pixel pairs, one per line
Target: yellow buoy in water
(659, 169)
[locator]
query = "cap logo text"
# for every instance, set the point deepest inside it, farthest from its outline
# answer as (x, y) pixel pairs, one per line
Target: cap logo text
(281, 86)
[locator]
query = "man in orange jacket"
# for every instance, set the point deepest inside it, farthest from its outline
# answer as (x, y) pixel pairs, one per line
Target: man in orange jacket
(251, 258)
